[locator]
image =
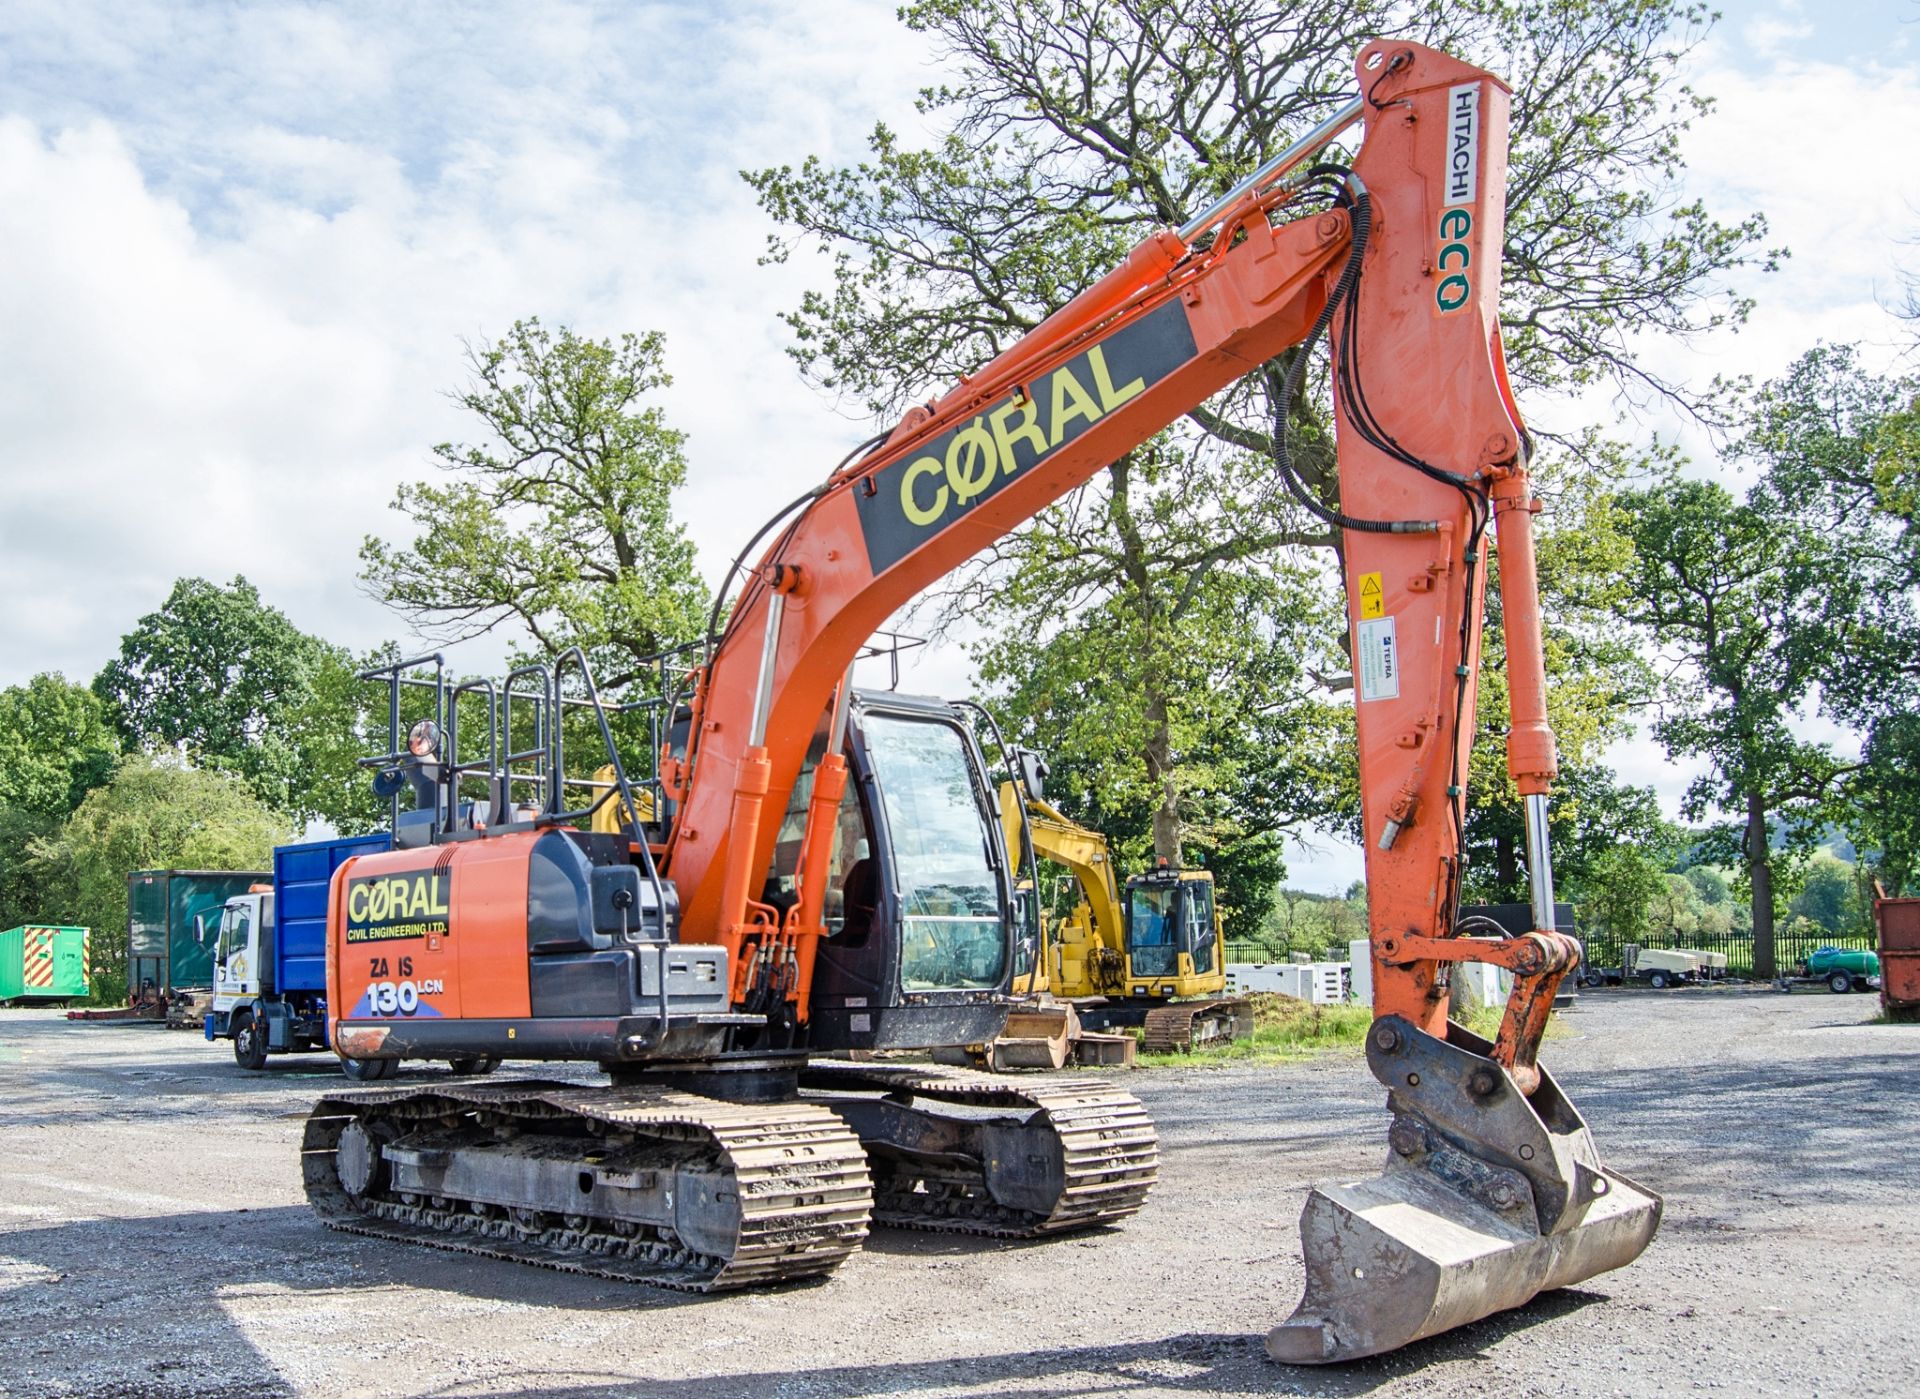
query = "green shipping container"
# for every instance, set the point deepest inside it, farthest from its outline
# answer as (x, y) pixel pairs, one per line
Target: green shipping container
(42, 962)
(172, 916)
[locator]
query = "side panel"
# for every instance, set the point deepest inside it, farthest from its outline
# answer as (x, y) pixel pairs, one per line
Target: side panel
(490, 920)
(302, 875)
(392, 946)
(146, 929)
(12, 955)
(189, 894)
(70, 969)
(438, 933)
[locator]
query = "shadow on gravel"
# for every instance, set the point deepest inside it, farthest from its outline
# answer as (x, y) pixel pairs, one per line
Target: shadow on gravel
(101, 1277)
(1187, 1364)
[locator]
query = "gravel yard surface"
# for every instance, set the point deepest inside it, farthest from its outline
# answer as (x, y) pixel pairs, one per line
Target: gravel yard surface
(154, 1241)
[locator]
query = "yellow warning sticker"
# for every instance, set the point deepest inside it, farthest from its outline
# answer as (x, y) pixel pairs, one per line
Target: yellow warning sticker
(1373, 602)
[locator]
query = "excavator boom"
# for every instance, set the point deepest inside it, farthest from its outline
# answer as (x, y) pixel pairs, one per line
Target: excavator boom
(1494, 1189)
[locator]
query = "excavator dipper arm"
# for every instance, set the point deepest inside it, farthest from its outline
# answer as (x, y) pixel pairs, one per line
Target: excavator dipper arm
(1494, 1190)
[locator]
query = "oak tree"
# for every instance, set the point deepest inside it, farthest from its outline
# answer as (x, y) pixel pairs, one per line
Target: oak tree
(558, 522)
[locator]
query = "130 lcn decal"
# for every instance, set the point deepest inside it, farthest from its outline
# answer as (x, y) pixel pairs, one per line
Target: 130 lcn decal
(385, 907)
(915, 498)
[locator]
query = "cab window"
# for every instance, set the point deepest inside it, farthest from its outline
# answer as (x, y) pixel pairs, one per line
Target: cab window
(1200, 934)
(236, 926)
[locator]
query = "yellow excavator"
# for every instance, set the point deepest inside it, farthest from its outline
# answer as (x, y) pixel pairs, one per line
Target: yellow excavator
(1154, 959)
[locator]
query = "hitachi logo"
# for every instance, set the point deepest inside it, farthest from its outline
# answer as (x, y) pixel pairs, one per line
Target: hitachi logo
(1463, 144)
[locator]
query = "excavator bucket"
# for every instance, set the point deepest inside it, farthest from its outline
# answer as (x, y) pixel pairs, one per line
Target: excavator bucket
(1490, 1197)
(1039, 1035)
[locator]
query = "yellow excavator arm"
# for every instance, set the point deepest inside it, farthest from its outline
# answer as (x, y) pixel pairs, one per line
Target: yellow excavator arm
(1086, 953)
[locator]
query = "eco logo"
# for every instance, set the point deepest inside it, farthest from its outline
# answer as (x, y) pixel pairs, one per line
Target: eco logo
(909, 501)
(386, 907)
(1454, 260)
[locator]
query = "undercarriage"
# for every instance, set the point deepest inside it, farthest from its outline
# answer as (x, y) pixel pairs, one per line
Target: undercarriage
(658, 1185)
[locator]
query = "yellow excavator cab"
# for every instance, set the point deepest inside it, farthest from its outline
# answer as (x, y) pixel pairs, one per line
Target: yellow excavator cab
(606, 816)
(1154, 956)
(1174, 942)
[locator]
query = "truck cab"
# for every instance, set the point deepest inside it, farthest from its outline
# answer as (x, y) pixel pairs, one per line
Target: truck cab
(268, 948)
(238, 945)
(246, 1009)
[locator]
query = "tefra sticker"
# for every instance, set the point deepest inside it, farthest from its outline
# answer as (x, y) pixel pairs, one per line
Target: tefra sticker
(1376, 655)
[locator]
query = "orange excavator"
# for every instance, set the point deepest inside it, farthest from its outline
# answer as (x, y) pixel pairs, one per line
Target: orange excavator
(811, 869)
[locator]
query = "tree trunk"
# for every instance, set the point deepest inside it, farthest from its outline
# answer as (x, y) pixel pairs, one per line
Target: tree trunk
(1760, 877)
(1161, 774)
(1506, 865)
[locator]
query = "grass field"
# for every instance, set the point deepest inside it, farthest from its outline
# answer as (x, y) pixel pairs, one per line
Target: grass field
(1285, 1029)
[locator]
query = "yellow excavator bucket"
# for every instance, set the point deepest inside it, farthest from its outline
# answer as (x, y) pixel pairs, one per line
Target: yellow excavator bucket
(1490, 1197)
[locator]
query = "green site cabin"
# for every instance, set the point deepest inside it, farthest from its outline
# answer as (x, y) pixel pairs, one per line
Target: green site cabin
(44, 962)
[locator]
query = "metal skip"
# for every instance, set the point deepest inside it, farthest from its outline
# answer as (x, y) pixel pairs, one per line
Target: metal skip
(1489, 1198)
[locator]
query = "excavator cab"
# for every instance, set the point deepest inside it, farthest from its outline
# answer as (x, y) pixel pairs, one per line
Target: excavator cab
(922, 920)
(1173, 934)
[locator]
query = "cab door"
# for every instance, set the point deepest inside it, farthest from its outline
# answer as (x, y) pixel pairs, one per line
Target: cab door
(236, 954)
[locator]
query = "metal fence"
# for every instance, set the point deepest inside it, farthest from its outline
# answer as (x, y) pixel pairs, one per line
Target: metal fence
(1789, 949)
(1282, 949)
(1603, 950)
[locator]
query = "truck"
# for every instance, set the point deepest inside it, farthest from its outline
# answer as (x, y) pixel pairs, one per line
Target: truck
(267, 946)
(169, 948)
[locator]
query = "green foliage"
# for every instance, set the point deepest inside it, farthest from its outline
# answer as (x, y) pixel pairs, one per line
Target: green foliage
(55, 746)
(1884, 813)
(560, 522)
(1829, 896)
(1310, 923)
(1710, 885)
(1840, 449)
(228, 682)
(1619, 892)
(215, 675)
(1749, 606)
(339, 720)
(25, 895)
(154, 814)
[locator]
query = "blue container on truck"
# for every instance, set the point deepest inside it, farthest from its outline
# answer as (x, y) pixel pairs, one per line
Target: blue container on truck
(270, 961)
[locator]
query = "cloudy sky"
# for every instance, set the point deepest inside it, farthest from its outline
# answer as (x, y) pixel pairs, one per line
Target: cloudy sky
(241, 245)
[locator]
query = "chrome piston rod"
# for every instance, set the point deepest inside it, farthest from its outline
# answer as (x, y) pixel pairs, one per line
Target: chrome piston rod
(1276, 168)
(1539, 862)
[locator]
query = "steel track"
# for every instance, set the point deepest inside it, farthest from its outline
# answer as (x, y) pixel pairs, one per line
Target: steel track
(804, 1190)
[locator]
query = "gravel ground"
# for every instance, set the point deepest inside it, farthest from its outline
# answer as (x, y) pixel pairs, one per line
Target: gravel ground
(153, 1241)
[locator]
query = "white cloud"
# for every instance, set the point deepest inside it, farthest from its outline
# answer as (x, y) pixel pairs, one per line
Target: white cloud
(241, 245)
(245, 249)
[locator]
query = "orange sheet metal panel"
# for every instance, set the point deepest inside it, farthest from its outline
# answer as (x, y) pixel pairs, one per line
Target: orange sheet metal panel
(433, 933)
(1899, 923)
